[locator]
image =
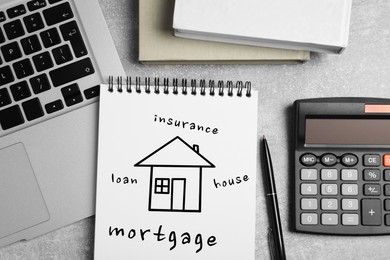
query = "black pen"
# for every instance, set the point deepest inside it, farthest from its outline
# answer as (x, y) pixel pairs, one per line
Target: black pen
(272, 200)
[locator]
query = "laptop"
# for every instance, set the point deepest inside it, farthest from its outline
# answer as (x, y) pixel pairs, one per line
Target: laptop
(53, 56)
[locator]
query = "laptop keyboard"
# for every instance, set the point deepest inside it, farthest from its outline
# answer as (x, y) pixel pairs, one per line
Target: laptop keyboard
(43, 56)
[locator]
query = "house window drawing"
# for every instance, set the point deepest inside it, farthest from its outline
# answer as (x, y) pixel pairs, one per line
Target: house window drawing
(175, 177)
(161, 185)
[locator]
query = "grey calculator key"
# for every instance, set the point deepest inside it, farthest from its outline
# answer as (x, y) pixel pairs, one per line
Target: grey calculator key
(350, 219)
(349, 174)
(349, 204)
(329, 219)
(329, 204)
(308, 174)
(371, 212)
(387, 175)
(371, 160)
(308, 189)
(371, 175)
(349, 189)
(307, 204)
(372, 189)
(328, 189)
(309, 219)
(329, 159)
(349, 160)
(329, 174)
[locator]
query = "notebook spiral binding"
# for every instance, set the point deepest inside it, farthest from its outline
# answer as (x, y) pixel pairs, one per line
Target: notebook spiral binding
(164, 85)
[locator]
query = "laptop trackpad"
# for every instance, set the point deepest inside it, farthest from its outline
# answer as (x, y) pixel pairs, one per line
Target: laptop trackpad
(21, 202)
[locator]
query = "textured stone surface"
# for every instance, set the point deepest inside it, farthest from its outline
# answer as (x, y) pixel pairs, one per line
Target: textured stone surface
(362, 70)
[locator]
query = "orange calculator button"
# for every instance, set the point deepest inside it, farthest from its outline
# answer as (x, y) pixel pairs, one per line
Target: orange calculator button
(386, 160)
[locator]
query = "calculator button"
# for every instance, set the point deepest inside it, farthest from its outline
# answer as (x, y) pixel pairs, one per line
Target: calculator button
(308, 174)
(309, 189)
(349, 189)
(386, 175)
(349, 160)
(329, 159)
(387, 219)
(386, 160)
(350, 219)
(308, 204)
(349, 204)
(371, 212)
(329, 219)
(309, 219)
(387, 204)
(308, 159)
(372, 189)
(329, 204)
(371, 160)
(371, 175)
(349, 174)
(329, 174)
(329, 189)
(387, 190)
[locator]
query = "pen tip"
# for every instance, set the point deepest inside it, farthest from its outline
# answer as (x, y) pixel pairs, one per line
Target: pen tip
(263, 137)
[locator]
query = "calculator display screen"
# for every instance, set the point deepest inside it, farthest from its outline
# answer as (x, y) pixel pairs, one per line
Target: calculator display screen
(347, 131)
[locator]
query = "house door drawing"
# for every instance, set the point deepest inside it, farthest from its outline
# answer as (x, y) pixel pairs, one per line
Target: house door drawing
(178, 199)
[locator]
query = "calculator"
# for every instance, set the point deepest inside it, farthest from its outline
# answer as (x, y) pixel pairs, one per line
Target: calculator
(342, 166)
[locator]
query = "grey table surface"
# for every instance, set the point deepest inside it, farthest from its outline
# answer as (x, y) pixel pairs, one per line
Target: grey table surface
(363, 69)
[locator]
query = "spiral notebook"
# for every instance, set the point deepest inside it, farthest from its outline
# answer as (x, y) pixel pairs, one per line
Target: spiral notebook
(176, 170)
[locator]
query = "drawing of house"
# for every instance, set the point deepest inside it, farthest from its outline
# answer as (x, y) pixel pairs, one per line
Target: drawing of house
(175, 177)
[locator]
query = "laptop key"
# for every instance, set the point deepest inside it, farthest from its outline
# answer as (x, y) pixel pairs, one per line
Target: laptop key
(31, 44)
(58, 13)
(92, 92)
(11, 51)
(62, 54)
(23, 68)
(72, 94)
(5, 99)
(43, 61)
(40, 83)
(54, 106)
(2, 17)
(50, 37)
(54, 1)
(33, 22)
(16, 11)
(6, 75)
(2, 38)
(71, 72)
(32, 109)
(14, 29)
(70, 32)
(36, 4)
(11, 117)
(20, 91)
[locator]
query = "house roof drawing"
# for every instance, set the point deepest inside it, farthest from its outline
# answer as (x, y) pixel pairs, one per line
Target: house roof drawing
(175, 153)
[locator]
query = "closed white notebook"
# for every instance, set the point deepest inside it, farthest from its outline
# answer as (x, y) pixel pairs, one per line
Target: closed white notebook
(314, 25)
(176, 172)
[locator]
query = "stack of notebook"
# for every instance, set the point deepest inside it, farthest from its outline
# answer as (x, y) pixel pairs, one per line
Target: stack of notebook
(158, 45)
(320, 25)
(247, 31)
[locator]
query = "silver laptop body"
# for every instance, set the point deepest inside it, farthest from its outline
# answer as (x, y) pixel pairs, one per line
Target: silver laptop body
(49, 112)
